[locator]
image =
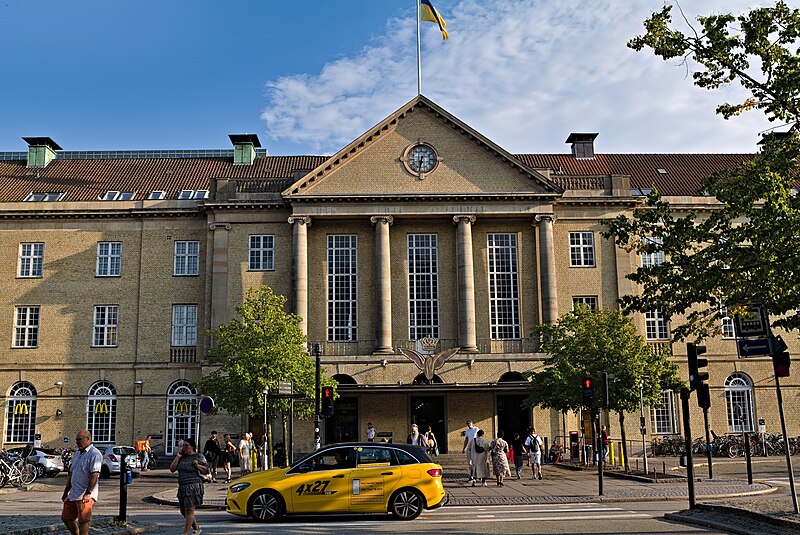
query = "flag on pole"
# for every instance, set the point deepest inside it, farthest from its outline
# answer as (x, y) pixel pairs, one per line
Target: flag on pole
(428, 13)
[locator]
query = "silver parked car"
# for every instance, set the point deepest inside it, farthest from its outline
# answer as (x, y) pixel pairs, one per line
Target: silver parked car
(111, 457)
(47, 462)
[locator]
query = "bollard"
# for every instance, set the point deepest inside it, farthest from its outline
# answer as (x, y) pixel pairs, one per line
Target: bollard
(664, 468)
(611, 448)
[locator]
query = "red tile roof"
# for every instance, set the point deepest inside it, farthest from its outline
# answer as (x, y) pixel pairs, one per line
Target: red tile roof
(87, 179)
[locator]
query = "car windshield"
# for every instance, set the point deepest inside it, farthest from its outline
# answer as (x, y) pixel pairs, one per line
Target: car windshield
(127, 450)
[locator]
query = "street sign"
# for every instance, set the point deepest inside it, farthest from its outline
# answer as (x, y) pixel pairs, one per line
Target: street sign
(753, 325)
(206, 404)
(752, 347)
(285, 388)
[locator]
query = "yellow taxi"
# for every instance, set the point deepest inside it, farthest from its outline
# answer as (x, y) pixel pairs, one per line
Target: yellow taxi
(364, 477)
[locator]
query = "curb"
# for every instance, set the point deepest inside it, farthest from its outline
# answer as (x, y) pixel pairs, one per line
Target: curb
(103, 525)
(686, 517)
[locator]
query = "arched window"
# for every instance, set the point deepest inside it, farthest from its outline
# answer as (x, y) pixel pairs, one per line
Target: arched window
(181, 415)
(512, 377)
(101, 412)
(21, 413)
(739, 402)
(422, 380)
(344, 379)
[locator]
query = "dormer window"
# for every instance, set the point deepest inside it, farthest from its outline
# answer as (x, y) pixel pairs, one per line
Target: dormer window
(185, 194)
(201, 194)
(641, 192)
(113, 195)
(192, 194)
(157, 195)
(44, 197)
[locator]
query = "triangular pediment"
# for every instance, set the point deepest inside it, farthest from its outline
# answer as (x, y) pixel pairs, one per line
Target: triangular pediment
(382, 163)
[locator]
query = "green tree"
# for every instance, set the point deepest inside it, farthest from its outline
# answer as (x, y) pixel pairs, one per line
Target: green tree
(747, 246)
(261, 347)
(587, 343)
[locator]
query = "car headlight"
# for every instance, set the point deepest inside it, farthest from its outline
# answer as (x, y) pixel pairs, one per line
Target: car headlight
(239, 487)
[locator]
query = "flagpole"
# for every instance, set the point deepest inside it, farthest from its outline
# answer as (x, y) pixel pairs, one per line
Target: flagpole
(419, 56)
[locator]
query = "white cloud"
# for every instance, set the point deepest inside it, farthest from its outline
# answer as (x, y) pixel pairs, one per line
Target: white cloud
(525, 73)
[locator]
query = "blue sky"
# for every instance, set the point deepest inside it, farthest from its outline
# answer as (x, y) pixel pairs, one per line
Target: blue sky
(311, 75)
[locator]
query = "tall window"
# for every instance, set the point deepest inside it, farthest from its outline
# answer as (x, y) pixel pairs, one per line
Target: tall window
(655, 325)
(181, 415)
(184, 325)
(26, 326)
(262, 252)
(728, 329)
(31, 258)
(342, 289)
(101, 412)
(423, 286)
(664, 416)
(586, 300)
(503, 286)
(581, 249)
(187, 258)
(106, 324)
(739, 403)
(653, 259)
(109, 259)
(21, 413)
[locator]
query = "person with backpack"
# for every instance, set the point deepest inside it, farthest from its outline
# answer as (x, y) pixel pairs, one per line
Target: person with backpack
(534, 446)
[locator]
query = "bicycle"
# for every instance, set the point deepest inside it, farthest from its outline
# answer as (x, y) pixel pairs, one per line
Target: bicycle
(16, 472)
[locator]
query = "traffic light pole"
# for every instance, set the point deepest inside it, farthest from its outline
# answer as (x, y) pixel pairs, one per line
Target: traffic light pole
(708, 444)
(687, 430)
(599, 450)
(317, 441)
(786, 445)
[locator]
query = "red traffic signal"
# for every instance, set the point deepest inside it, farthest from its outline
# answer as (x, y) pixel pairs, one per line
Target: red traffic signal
(588, 392)
(781, 361)
(327, 401)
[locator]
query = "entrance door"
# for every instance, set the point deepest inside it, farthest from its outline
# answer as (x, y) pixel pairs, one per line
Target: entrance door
(343, 425)
(511, 416)
(429, 411)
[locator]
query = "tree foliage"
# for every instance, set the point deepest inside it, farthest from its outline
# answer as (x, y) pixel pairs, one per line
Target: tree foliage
(745, 247)
(589, 343)
(263, 346)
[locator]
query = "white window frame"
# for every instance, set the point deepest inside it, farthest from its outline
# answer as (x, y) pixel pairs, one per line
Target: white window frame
(109, 259)
(110, 196)
(503, 278)
(200, 194)
(342, 261)
(664, 418)
(101, 412)
(157, 195)
(739, 403)
(261, 252)
(423, 285)
(589, 300)
(31, 260)
(105, 332)
(26, 326)
(184, 326)
(656, 327)
(35, 196)
(581, 249)
(186, 262)
(181, 415)
(185, 194)
(652, 259)
(21, 414)
(728, 325)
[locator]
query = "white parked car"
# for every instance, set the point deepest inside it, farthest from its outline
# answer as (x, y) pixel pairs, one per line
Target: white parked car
(46, 461)
(111, 457)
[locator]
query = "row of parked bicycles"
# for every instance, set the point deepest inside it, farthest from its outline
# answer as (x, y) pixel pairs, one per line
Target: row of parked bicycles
(727, 445)
(21, 466)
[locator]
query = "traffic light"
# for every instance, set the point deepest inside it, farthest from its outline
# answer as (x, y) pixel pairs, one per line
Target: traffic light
(696, 377)
(780, 361)
(703, 396)
(327, 401)
(588, 392)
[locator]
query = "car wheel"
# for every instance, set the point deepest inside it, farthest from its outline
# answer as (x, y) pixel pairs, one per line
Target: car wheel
(266, 506)
(406, 504)
(39, 470)
(28, 475)
(105, 473)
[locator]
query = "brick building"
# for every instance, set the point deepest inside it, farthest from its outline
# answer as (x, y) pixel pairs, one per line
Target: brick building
(116, 263)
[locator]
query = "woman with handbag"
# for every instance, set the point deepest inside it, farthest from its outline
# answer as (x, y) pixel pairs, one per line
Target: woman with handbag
(430, 439)
(192, 469)
(500, 459)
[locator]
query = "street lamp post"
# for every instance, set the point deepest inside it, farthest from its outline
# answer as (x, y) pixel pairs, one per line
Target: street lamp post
(643, 429)
(265, 462)
(317, 441)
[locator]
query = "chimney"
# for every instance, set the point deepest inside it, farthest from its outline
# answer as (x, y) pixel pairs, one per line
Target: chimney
(41, 151)
(582, 145)
(244, 148)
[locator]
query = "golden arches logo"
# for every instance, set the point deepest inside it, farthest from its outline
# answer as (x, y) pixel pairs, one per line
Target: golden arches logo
(101, 408)
(182, 407)
(21, 408)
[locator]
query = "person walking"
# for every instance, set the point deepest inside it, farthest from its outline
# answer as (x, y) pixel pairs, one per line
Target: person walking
(606, 441)
(191, 467)
(416, 438)
(469, 436)
(229, 450)
(81, 491)
(370, 432)
(244, 454)
(500, 459)
(254, 453)
(430, 440)
(518, 447)
(481, 458)
(212, 451)
(534, 446)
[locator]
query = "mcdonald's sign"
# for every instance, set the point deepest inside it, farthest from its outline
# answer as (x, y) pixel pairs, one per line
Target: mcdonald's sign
(101, 408)
(21, 408)
(182, 407)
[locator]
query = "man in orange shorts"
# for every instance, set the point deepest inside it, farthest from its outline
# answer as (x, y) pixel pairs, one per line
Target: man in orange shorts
(81, 491)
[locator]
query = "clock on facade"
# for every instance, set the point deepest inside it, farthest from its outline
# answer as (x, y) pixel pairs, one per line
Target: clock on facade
(421, 158)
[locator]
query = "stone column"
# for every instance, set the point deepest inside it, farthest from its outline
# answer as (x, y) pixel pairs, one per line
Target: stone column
(219, 273)
(300, 265)
(547, 268)
(466, 284)
(383, 285)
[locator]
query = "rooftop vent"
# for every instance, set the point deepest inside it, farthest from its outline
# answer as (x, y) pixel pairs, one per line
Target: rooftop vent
(582, 145)
(244, 148)
(41, 151)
